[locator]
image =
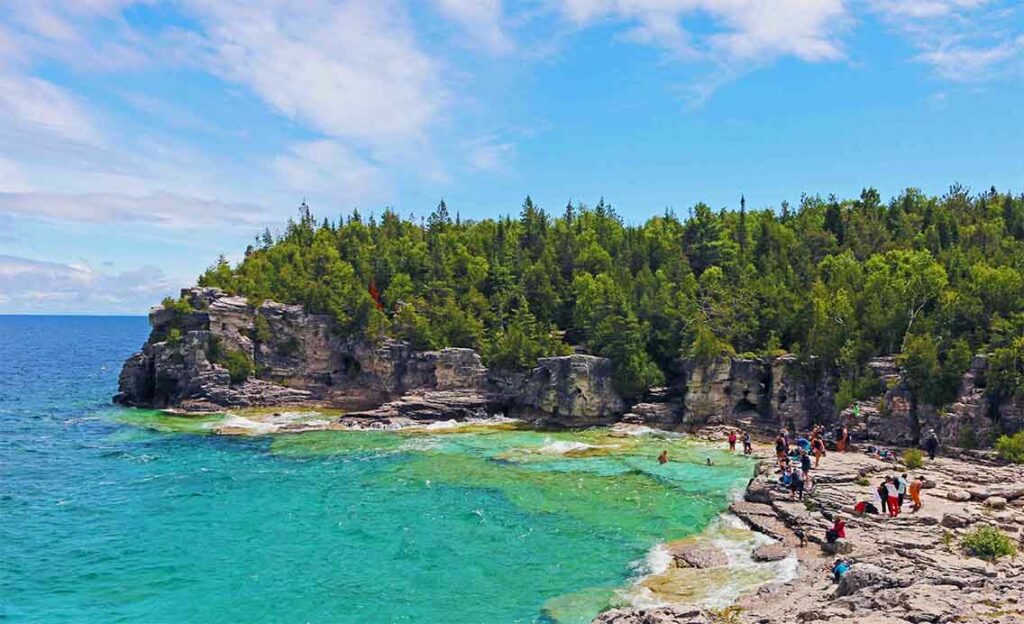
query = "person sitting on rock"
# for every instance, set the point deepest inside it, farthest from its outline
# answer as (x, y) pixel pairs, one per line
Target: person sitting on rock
(865, 507)
(837, 532)
(839, 568)
(796, 484)
(915, 493)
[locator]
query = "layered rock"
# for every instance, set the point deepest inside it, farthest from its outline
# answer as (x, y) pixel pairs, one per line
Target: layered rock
(759, 394)
(295, 358)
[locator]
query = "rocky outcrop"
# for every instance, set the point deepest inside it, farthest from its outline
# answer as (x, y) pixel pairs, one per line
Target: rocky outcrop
(215, 350)
(756, 394)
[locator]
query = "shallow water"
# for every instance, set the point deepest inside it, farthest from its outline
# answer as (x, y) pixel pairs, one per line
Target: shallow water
(111, 515)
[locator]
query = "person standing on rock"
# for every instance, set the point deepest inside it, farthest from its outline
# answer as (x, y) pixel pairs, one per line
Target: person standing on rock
(931, 444)
(732, 441)
(818, 446)
(883, 497)
(748, 447)
(902, 485)
(805, 461)
(781, 445)
(844, 438)
(915, 493)
(892, 497)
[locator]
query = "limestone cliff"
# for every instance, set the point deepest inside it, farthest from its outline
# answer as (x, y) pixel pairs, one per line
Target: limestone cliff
(216, 350)
(221, 351)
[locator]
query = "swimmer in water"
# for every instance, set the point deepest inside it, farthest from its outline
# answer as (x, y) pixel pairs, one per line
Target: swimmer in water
(710, 462)
(663, 458)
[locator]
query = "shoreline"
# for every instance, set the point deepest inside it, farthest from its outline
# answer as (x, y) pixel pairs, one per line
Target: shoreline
(905, 570)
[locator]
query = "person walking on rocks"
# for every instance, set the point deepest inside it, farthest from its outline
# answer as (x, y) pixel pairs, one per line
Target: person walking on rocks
(892, 497)
(915, 493)
(732, 441)
(931, 444)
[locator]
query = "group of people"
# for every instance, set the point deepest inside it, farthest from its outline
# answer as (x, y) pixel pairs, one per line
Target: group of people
(748, 446)
(795, 463)
(890, 495)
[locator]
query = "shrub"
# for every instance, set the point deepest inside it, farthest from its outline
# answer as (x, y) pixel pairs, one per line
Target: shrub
(967, 438)
(913, 459)
(238, 364)
(1011, 448)
(261, 329)
(862, 481)
(989, 543)
(174, 336)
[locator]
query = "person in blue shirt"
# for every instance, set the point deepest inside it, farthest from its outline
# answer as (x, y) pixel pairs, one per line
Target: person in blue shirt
(839, 568)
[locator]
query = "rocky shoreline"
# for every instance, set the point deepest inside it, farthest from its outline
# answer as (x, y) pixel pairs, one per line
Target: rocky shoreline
(908, 569)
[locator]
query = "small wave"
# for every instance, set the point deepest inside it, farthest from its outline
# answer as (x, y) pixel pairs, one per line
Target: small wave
(627, 429)
(561, 447)
(254, 427)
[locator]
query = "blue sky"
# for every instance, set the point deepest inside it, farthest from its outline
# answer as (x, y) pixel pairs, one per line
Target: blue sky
(140, 139)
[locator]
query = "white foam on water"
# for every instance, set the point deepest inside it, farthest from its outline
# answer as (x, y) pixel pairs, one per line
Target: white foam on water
(561, 447)
(254, 427)
(739, 552)
(627, 429)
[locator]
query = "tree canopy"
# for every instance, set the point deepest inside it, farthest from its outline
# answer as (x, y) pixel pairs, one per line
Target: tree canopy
(833, 281)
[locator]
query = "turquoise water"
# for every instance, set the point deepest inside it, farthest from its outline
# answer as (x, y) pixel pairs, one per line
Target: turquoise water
(112, 515)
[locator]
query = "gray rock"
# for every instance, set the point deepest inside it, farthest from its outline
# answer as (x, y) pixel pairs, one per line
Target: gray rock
(995, 502)
(864, 575)
(838, 547)
(771, 552)
(955, 520)
(958, 495)
(691, 554)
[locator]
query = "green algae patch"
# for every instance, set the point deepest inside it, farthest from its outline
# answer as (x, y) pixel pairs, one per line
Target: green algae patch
(580, 607)
(170, 422)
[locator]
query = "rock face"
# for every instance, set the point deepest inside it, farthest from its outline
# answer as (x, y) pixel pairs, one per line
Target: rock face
(281, 355)
(757, 394)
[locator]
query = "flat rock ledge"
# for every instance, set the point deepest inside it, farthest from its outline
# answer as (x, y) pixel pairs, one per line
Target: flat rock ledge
(905, 570)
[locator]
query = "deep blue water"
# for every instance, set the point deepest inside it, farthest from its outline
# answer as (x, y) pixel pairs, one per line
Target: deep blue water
(114, 515)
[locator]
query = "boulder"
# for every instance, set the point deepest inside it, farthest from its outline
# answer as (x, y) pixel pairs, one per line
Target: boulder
(864, 575)
(995, 502)
(771, 552)
(659, 615)
(838, 547)
(958, 495)
(689, 553)
(955, 520)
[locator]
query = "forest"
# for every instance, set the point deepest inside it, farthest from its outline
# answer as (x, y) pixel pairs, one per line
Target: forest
(832, 281)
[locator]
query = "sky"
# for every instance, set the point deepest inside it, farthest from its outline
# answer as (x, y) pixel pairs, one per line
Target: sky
(140, 139)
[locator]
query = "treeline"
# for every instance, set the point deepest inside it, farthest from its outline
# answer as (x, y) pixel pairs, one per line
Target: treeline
(833, 281)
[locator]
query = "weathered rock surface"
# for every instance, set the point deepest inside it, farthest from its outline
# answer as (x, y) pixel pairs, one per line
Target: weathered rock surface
(690, 553)
(297, 358)
(771, 552)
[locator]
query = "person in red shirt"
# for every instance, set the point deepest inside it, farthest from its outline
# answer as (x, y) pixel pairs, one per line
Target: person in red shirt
(732, 441)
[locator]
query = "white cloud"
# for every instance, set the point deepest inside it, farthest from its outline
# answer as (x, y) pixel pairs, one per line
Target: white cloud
(159, 209)
(28, 285)
(745, 31)
(347, 69)
(35, 103)
(482, 21)
(490, 154)
(328, 167)
(967, 41)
